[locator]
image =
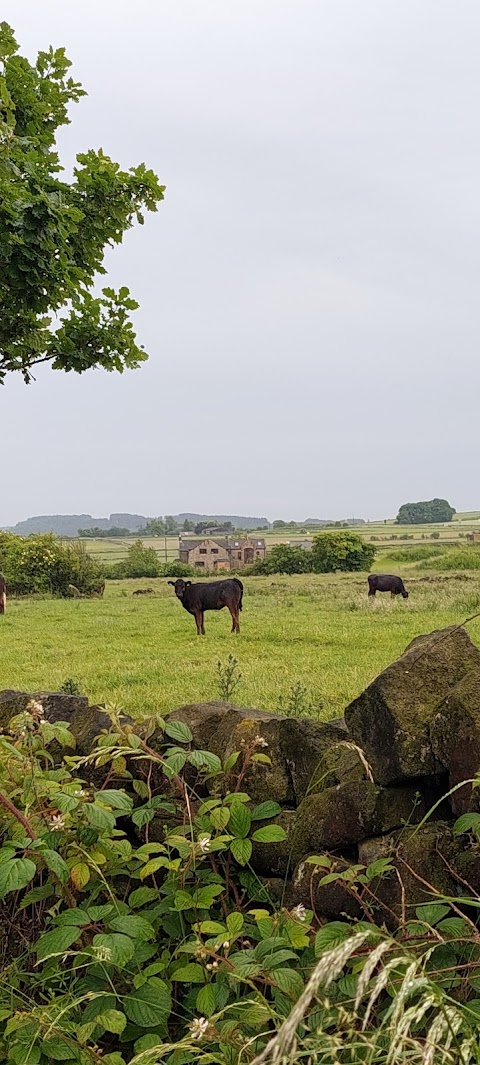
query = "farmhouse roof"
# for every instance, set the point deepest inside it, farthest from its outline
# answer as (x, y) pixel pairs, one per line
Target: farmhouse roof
(221, 541)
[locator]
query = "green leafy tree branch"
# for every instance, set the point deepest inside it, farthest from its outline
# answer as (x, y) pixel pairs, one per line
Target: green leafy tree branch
(54, 233)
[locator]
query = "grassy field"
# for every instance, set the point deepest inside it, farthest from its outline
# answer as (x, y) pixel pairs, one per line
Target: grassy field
(142, 653)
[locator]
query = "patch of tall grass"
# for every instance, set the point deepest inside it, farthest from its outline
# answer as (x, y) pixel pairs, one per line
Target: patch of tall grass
(393, 1011)
(458, 558)
(418, 553)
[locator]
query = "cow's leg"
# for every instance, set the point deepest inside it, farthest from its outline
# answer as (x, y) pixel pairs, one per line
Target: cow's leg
(3, 600)
(202, 626)
(371, 592)
(198, 621)
(235, 619)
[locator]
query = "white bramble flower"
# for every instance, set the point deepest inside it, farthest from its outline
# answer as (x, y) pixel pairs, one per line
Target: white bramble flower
(199, 1027)
(299, 912)
(36, 710)
(204, 845)
(80, 793)
(226, 944)
(260, 741)
(57, 821)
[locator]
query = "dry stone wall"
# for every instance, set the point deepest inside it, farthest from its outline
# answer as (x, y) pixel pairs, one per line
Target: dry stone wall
(356, 789)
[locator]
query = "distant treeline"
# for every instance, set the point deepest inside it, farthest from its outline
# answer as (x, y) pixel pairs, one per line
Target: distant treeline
(167, 526)
(97, 533)
(305, 526)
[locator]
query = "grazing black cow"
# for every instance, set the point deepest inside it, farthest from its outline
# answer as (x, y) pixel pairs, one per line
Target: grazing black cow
(386, 582)
(196, 598)
(3, 594)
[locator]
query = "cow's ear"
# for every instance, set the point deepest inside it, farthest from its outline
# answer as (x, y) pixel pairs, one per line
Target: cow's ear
(172, 583)
(187, 584)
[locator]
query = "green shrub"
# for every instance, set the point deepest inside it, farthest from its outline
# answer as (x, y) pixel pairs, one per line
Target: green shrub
(43, 564)
(140, 561)
(132, 920)
(344, 551)
(175, 568)
(115, 937)
(284, 559)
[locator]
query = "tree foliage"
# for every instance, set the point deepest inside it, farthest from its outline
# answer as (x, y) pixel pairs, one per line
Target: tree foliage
(140, 561)
(331, 551)
(285, 559)
(94, 533)
(153, 527)
(159, 526)
(54, 233)
(42, 564)
(425, 513)
(344, 551)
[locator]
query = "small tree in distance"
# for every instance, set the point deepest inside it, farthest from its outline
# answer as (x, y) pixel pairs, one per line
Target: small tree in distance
(285, 559)
(344, 551)
(425, 513)
(154, 527)
(140, 562)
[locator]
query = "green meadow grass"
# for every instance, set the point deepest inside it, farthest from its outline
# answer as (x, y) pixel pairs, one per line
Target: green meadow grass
(143, 653)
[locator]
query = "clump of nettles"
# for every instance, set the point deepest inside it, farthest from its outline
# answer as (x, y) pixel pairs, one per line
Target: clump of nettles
(298, 702)
(229, 678)
(70, 687)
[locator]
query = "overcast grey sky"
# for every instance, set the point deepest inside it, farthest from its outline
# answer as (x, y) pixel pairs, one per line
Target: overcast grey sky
(309, 288)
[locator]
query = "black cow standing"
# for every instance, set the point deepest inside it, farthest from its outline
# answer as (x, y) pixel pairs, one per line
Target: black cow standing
(3, 594)
(214, 595)
(386, 582)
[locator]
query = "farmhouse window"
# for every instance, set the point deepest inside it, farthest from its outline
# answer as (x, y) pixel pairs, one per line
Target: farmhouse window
(199, 565)
(214, 550)
(202, 550)
(239, 554)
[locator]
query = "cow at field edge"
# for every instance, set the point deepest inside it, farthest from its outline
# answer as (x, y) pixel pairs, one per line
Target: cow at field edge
(213, 595)
(3, 594)
(386, 582)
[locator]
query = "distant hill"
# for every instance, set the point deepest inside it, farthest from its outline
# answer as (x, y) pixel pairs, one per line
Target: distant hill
(69, 524)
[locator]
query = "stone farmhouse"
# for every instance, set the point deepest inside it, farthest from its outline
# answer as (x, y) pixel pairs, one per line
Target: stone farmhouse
(221, 553)
(474, 537)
